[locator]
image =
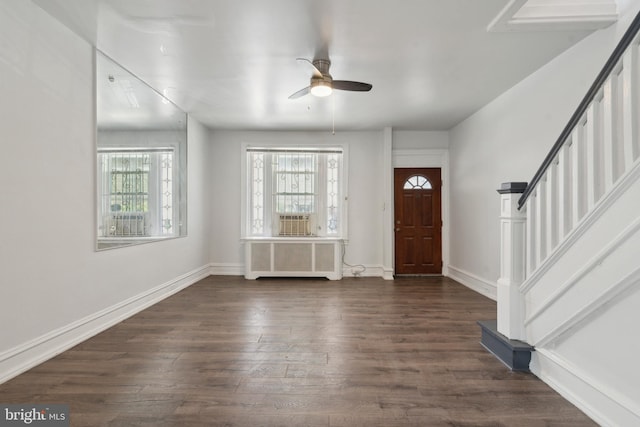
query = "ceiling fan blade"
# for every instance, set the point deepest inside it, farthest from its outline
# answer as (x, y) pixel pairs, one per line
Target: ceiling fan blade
(349, 85)
(316, 72)
(301, 92)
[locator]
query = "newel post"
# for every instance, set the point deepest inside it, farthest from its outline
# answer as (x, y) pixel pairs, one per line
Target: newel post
(510, 318)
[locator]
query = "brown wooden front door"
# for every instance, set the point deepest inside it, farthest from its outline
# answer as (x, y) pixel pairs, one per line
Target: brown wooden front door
(418, 221)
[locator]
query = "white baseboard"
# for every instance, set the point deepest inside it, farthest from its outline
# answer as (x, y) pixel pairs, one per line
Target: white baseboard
(25, 356)
(605, 406)
(223, 269)
(369, 271)
(478, 284)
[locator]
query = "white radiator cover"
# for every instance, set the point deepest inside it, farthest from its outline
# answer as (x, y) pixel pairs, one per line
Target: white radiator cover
(293, 257)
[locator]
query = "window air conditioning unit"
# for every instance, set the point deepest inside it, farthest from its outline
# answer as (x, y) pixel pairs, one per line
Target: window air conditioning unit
(296, 225)
(125, 224)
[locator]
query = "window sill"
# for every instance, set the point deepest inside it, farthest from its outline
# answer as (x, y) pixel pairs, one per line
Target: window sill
(290, 238)
(105, 243)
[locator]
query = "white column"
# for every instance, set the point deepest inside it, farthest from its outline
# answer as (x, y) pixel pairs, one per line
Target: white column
(512, 262)
(541, 223)
(530, 239)
(387, 215)
(551, 219)
(591, 129)
(609, 132)
(630, 105)
(577, 175)
(564, 194)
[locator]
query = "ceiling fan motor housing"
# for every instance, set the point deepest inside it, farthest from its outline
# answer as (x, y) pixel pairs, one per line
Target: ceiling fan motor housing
(322, 65)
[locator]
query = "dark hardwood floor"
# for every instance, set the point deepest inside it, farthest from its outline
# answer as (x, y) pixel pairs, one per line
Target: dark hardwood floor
(294, 352)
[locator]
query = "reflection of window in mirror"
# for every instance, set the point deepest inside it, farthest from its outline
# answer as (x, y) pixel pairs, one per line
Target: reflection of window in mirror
(141, 160)
(136, 192)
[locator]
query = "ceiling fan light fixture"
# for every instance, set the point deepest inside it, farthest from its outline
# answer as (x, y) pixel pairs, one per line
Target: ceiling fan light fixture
(321, 88)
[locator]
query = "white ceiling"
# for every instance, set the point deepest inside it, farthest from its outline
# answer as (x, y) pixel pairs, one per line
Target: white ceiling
(232, 64)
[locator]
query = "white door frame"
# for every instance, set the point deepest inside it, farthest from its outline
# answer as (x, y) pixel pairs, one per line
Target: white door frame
(414, 158)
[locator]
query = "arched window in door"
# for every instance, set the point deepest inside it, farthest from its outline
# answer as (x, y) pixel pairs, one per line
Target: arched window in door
(417, 182)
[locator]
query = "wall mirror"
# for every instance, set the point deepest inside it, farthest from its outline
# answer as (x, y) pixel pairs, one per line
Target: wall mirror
(141, 160)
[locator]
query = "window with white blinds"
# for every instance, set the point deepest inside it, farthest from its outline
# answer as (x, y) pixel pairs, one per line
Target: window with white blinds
(294, 192)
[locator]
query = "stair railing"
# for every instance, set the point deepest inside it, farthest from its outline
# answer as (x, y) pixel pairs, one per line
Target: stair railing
(595, 149)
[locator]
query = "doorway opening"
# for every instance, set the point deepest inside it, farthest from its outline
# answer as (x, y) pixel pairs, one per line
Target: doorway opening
(418, 221)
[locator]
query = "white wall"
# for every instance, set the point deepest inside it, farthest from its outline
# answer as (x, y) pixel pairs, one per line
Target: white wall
(506, 141)
(55, 288)
(365, 198)
(408, 139)
(366, 187)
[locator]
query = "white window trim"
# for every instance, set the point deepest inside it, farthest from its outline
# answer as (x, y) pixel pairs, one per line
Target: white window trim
(245, 198)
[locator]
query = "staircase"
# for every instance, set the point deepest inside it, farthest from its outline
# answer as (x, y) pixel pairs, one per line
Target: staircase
(570, 273)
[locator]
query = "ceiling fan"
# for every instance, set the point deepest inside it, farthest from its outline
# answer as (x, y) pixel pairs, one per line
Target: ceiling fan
(322, 84)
